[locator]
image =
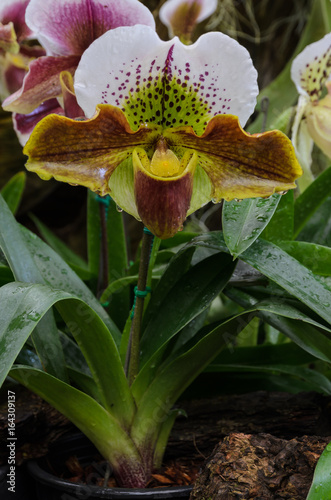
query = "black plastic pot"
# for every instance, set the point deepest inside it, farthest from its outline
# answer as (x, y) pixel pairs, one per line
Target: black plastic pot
(51, 487)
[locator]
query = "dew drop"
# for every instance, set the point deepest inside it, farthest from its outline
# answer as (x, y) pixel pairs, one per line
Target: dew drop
(119, 209)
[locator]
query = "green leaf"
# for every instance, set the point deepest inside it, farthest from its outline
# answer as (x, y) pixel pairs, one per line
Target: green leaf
(173, 378)
(74, 261)
(309, 201)
(317, 258)
(281, 268)
(117, 263)
(288, 354)
(6, 275)
(321, 485)
(24, 306)
(73, 355)
(117, 285)
(22, 264)
(317, 381)
(101, 354)
(281, 225)
(85, 383)
(317, 228)
(12, 192)
(179, 239)
(57, 273)
(90, 417)
(185, 301)
(178, 266)
(22, 309)
(310, 338)
(244, 221)
(93, 237)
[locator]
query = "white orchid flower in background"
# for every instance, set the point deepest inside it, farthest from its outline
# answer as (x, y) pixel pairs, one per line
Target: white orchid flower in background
(311, 72)
(182, 16)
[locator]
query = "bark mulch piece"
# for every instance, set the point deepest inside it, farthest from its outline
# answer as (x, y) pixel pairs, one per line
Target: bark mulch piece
(259, 467)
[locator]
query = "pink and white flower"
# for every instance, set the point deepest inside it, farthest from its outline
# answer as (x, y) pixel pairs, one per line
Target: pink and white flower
(65, 29)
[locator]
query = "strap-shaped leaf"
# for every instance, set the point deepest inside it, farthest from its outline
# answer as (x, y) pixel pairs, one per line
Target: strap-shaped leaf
(280, 227)
(117, 263)
(309, 201)
(90, 417)
(12, 192)
(24, 305)
(321, 485)
(314, 338)
(174, 377)
(75, 262)
(243, 221)
(281, 268)
(57, 273)
(185, 300)
(317, 258)
(24, 268)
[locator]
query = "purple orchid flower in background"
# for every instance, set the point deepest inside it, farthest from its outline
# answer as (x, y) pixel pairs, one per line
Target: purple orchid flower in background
(15, 54)
(65, 29)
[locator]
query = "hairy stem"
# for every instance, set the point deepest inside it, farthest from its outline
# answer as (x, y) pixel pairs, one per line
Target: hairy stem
(103, 270)
(135, 332)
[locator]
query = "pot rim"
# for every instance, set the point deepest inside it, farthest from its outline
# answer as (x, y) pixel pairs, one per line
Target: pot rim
(47, 478)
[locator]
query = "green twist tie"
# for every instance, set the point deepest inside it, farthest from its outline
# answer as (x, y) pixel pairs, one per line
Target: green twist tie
(105, 200)
(139, 293)
(147, 231)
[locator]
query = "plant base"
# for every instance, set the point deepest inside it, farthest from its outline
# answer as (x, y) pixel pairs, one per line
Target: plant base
(50, 485)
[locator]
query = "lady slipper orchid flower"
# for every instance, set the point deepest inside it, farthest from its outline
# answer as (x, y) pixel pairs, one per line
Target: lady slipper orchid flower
(181, 16)
(66, 28)
(310, 72)
(163, 136)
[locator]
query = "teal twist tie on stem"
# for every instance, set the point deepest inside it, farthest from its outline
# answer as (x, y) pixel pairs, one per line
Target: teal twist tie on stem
(104, 200)
(147, 231)
(139, 293)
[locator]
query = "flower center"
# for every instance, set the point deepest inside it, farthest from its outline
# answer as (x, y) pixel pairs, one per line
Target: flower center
(164, 162)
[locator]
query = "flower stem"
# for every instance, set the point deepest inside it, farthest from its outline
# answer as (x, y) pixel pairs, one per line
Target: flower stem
(103, 276)
(135, 332)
